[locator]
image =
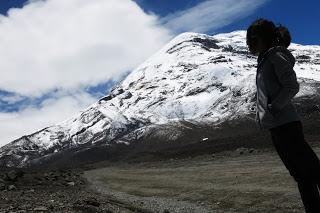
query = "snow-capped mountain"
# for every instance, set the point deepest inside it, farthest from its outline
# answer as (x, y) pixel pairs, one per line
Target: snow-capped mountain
(194, 77)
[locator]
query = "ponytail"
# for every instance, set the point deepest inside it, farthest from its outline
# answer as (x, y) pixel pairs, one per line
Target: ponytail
(283, 37)
(271, 34)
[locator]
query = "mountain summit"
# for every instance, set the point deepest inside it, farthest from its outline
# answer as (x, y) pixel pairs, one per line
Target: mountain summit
(195, 78)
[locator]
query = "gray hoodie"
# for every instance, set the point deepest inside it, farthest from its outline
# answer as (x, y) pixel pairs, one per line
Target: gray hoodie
(276, 84)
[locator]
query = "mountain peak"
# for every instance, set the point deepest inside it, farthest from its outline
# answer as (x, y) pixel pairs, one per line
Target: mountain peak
(194, 77)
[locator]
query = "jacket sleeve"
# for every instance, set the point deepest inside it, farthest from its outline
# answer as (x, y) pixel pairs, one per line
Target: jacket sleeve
(288, 80)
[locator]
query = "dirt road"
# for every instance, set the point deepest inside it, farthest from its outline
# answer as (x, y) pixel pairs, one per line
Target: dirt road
(227, 182)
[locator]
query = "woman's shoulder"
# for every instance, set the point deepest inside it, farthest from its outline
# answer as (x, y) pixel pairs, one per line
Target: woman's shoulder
(280, 54)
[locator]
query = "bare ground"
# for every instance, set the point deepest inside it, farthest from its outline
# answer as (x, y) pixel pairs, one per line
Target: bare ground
(53, 191)
(228, 182)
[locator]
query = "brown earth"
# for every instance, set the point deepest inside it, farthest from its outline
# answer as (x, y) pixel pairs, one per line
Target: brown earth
(228, 182)
(241, 180)
(53, 191)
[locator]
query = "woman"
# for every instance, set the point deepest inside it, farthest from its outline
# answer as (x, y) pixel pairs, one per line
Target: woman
(277, 84)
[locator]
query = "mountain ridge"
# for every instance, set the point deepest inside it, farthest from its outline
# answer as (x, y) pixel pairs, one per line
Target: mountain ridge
(195, 77)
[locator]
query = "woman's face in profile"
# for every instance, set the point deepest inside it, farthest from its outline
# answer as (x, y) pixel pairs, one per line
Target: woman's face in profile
(255, 45)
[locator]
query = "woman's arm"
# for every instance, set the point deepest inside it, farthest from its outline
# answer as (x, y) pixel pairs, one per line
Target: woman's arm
(288, 80)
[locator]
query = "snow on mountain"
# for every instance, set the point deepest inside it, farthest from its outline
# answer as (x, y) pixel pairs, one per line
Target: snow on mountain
(193, 77)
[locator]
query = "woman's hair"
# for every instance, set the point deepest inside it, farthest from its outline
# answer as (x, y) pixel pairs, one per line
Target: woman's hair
(270, 34)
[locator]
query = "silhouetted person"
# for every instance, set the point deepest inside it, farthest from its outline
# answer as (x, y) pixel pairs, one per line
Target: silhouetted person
(277, 84)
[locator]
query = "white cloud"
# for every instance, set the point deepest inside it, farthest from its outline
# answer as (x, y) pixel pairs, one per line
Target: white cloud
(211, 15)
(68, 45)
(74, 43)
(11, 99)
(31, 119)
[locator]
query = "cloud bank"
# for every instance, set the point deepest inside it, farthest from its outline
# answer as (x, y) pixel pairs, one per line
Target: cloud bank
(70, 44)
(53, 110)
(210, 15)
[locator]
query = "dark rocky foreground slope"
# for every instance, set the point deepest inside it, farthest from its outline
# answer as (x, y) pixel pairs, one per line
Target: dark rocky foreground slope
(234, 181)
(54, 191)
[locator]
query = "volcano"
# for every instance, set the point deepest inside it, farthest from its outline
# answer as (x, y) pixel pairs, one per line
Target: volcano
(196, 94)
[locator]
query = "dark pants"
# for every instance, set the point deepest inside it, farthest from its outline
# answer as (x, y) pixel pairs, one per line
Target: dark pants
(301, 161)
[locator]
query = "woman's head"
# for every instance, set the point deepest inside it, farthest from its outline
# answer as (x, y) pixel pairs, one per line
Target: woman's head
(262, 34)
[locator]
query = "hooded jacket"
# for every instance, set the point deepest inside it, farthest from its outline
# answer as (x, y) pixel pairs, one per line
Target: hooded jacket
(276, 84)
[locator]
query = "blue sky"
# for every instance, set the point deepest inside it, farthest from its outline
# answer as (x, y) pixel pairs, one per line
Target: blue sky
(59, 57)
(301, 17)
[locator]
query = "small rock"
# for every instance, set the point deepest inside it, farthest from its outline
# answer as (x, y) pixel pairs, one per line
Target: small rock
(12, 187)
(13, 175)
(241, 150)
(251, 150)
(127, 95)
(92, 202)
(25, 206)
(213, 155)
(60, 195)
(71, 183)
(2, 185)
(38, 178)
(62, 184)
(51, 207)
(40, 208)
(62, 170)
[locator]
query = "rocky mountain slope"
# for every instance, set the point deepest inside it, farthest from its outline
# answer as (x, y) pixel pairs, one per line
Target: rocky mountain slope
(195, 78)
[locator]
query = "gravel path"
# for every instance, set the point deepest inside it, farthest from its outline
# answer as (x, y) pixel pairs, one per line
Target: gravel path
(243, 180)
(148, 204)
(235, 181)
